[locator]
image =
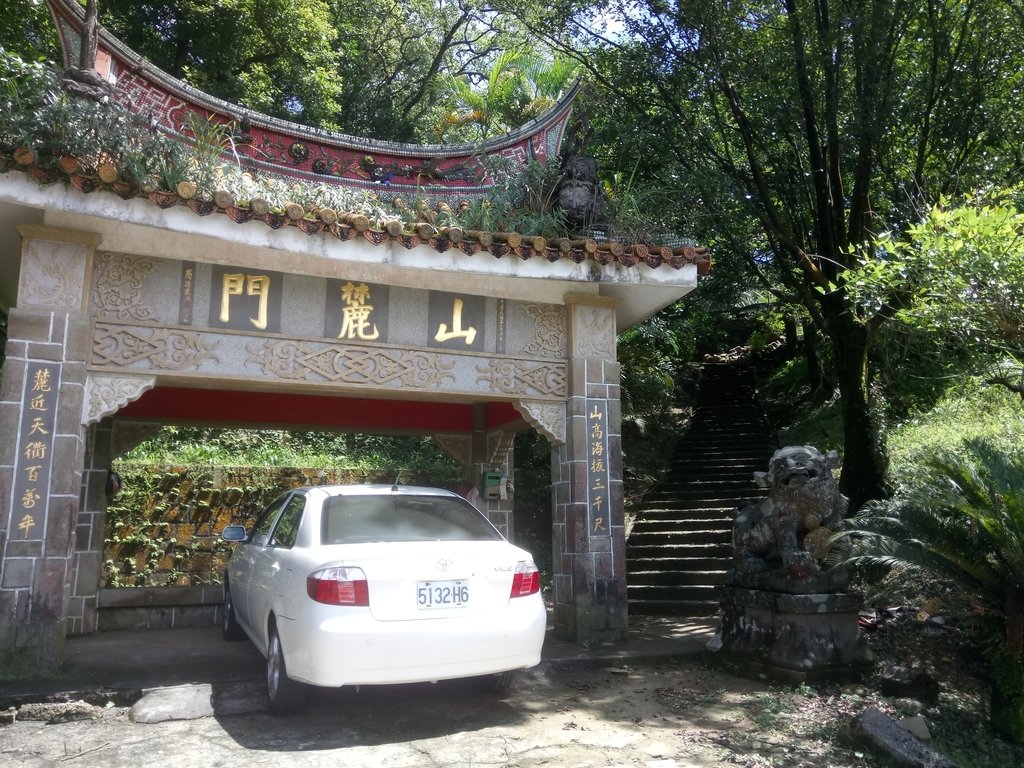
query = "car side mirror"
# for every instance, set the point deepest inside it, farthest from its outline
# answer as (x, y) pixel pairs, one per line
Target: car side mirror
(233, 533)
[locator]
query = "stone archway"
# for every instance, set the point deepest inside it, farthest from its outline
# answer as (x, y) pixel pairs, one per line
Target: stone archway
(116, 304)
(99, 333)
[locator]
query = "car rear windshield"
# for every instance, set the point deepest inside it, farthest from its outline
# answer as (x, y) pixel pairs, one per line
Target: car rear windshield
(356, 519)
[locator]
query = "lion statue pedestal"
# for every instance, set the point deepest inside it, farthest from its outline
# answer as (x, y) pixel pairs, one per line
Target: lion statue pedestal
(785, 613)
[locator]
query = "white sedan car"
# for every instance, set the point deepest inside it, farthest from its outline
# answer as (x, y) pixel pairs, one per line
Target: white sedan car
(370, 584)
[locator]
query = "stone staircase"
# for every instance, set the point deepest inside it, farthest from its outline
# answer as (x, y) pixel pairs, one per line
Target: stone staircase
(680, 545)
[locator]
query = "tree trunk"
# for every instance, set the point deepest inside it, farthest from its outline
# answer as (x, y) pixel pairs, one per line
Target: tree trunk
(812, 357)
(864, 463)
(792, 342)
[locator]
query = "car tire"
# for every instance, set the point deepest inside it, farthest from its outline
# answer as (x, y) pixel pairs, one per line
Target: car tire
(285, 696)
(230, 627)
(502, 682)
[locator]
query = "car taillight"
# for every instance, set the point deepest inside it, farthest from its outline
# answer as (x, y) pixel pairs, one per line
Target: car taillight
(526, 579)
(338, 586)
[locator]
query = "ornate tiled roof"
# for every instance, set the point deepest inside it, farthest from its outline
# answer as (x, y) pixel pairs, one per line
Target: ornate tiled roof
(445, 174)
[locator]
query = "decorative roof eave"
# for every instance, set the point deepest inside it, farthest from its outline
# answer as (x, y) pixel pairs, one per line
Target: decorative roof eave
(329, 224)
(277, 146)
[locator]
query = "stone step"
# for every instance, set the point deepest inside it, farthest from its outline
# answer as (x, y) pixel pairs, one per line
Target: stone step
(694, 608)
(709, 487)
(722, 499)
(677, 578)
(685, 592)
(652, 524)
(642, 564)
(680, 546)
(674, 550)
(643, 538)
(695, 507)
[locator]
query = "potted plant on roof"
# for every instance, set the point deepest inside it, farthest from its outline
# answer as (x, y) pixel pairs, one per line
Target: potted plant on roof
(212, 141)
(269, 203)
(234, 191)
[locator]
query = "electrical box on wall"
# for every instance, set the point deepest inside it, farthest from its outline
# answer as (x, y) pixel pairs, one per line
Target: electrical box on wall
(491, 486)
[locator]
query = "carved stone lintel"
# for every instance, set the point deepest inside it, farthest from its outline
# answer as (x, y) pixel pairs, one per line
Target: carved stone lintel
(105, 394)
(546, 418)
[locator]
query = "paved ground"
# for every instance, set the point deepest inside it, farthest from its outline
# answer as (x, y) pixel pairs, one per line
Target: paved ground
(130, 661)
(608, 705)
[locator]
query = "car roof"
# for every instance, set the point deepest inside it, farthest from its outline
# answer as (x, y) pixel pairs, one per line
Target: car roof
(377, 489)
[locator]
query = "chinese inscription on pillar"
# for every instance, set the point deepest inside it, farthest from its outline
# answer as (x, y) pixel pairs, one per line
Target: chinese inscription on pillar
(35, 451)
(598, 478)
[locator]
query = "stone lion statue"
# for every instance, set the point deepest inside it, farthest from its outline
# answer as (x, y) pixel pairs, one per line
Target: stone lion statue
(780, 542)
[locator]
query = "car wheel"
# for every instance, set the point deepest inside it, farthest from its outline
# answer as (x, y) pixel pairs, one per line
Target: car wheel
(285, 695)
(501, 682)
(230, 627)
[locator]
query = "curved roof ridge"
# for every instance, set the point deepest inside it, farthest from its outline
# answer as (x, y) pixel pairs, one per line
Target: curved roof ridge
(342, 157)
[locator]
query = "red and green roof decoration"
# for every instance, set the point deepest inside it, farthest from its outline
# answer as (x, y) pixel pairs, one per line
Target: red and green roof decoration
(440, 172)
(289, 175)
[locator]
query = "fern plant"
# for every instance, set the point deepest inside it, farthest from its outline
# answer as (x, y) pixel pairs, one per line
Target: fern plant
(962, 518)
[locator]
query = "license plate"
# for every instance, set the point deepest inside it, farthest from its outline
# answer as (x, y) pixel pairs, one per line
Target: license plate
(442, 594)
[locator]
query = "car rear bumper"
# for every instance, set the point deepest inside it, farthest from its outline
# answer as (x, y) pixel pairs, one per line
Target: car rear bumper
(350, 647)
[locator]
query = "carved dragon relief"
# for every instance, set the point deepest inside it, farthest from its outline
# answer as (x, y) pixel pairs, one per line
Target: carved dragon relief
(105, 394)
(117, 285)
(546, 418)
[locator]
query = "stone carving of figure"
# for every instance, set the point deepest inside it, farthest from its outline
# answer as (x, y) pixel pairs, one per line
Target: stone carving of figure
(580, 194)
(84, 80)
(780, 543)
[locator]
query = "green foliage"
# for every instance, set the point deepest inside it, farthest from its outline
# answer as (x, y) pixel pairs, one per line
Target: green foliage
(652, 355)
(971, 411)
(800, 419)
(961, 517)
(276, 57)
(789, 138)
(520, 85)
(26, 29)
(959, 274)
(416, 459)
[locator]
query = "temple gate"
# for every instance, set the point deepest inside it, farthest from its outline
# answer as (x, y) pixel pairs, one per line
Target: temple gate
(128, 312)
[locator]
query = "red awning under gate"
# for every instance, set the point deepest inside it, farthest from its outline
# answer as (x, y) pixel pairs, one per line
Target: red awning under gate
(180, 405)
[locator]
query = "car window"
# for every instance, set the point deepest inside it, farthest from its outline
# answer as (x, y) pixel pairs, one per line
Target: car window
(287, 529)
(261, 528)
(354, 519)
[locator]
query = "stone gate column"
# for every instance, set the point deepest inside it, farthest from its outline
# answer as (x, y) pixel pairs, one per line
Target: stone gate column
(42, 449)
(589, 534)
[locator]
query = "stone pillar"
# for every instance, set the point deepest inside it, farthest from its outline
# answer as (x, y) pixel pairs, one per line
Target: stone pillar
(41, 457)
(589, 535)
(87, 558)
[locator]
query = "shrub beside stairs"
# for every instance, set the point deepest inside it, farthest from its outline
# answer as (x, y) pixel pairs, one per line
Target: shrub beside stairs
(680, 545)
